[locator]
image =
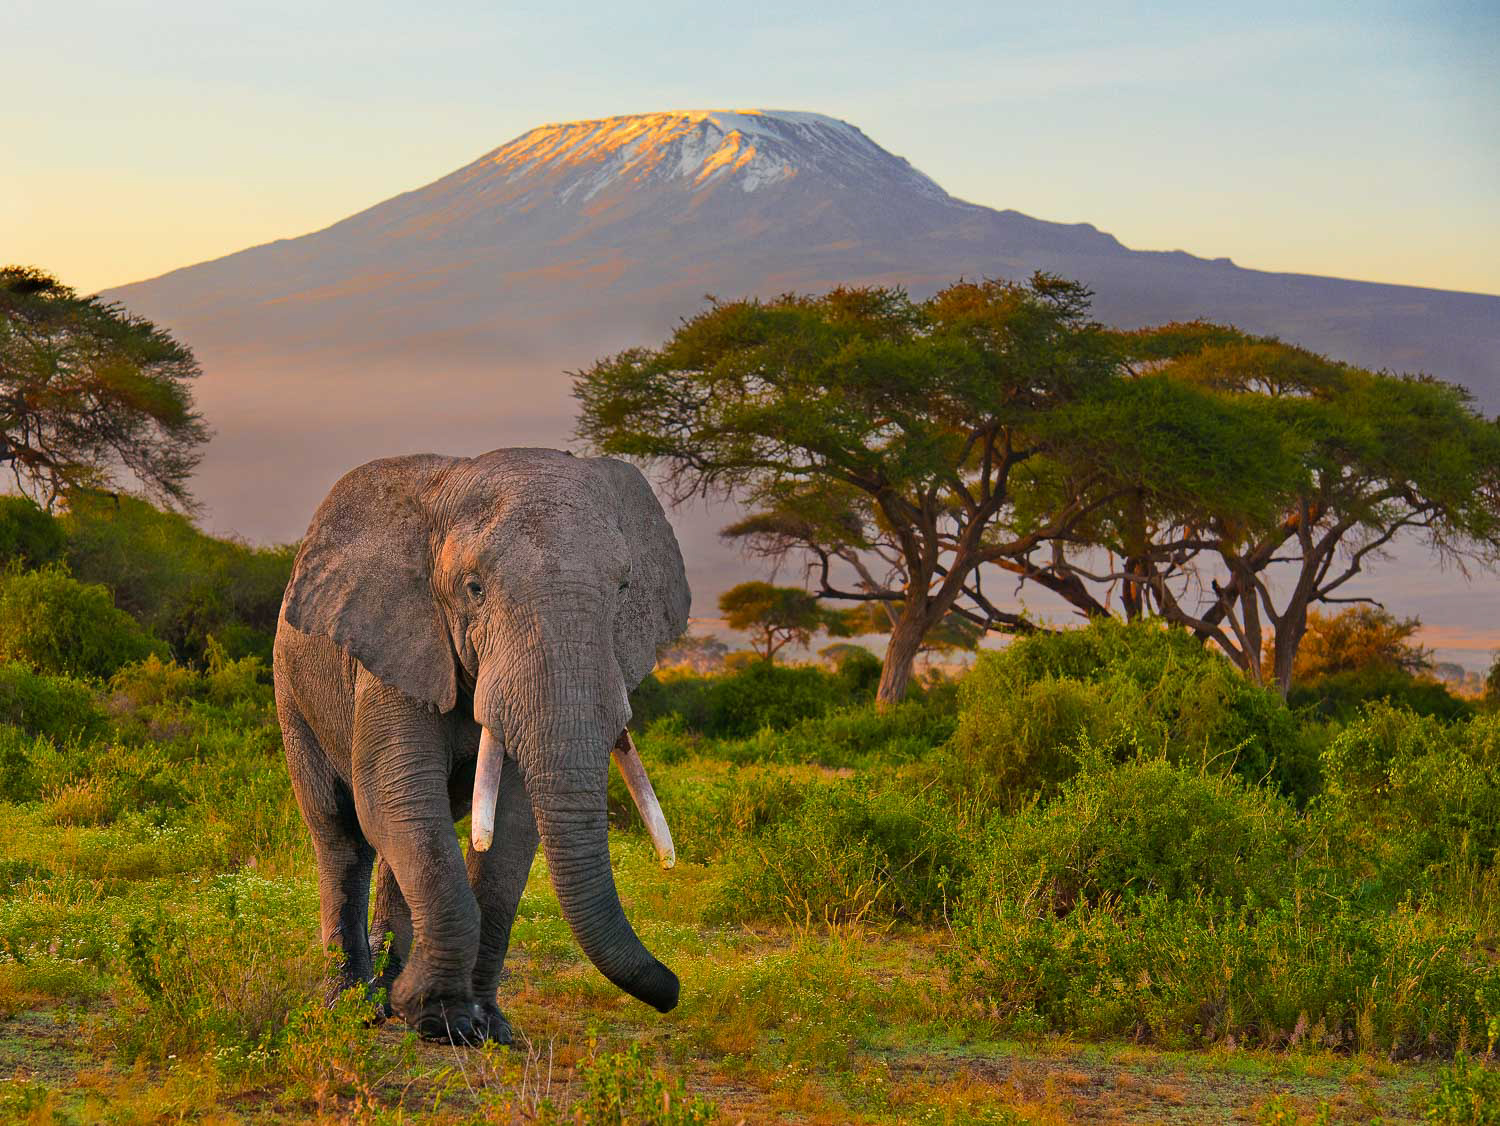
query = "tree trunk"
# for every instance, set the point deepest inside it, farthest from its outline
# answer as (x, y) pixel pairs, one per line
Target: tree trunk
(1289, 633)
(900, 655)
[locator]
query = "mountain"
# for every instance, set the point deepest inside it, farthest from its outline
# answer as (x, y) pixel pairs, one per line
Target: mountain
(446, 317)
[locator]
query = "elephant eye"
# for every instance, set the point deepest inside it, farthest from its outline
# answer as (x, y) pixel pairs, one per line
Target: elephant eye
(476, 591)
(624, 585)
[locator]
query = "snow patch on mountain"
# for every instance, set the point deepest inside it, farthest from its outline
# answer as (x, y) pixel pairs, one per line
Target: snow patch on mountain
(751, 149)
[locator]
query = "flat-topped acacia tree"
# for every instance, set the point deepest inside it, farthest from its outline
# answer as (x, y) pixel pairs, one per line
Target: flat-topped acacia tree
(90, 392)
(1348, 460)
(892, 429)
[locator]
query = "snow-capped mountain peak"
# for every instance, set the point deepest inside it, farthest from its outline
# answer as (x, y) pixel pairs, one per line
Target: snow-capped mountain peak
(698, 149)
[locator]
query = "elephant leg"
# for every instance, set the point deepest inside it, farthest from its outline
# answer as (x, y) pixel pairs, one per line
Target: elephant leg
(400, 772)
(390, 930)
(344, 856)
(498, 877)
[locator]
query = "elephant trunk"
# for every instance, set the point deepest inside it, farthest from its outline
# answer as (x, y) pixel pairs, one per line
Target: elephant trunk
(569, 714)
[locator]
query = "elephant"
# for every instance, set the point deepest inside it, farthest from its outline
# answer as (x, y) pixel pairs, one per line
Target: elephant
(462, 634)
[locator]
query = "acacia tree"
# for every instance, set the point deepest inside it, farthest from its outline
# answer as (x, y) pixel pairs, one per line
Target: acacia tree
(89, 392)
(774, 616)
(1350, 460)
(893, 429)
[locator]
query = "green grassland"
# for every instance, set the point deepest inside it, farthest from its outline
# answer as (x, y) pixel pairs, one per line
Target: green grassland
(1100, 878)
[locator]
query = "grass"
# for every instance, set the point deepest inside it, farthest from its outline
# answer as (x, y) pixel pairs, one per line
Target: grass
(855, 942)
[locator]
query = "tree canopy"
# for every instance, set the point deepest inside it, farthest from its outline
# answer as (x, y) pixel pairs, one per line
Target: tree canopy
(774, 616)
(1319, 467)
(882, 431)
(915, 451)
(91, 397)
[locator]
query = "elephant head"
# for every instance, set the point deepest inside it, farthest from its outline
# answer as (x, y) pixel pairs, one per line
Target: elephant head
(535, 587)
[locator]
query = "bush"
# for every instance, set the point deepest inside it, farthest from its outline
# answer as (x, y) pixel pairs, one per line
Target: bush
(1341, 696)
(221, 977)
(1025, 711)
(1411, 801)
(1467, 1094)
(1181, 972)
(29, 536)
(622, 1087)
(850, 850)
(1145, 827)
(54, 624)
(183, 585)
(58, 707)
(848, 737)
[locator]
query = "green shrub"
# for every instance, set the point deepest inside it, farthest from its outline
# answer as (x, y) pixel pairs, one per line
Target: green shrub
(1342, 695)
(1467, 1094)
(857, 669)
(236, 681)
(55, 624)
(183, 585)
(220, 976)
(751, 696)
(56, 706)
(1180, 972)
(760, 694)
(1144, 827)
(850, 850)
(847, 737)
(622, 1087)
(29, 536)
(711, 811)
(1025, 711)
(154, 681)
(1409, 800)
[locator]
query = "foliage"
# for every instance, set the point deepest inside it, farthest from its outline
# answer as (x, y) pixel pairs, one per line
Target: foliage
(92, 394)
(1343, 695)
(1467, 1094)
(183, 585)
(1027, 710)
(1351, 459)
(856, 850)
(57, 707)
(1183, 973)
(1361, 637)
(53, 623)
(774, 616)
(29, 535)
(622, 1089)
(753, 696)
(217, 979)
(1410, 802)
(1139, 828)
(865, 427)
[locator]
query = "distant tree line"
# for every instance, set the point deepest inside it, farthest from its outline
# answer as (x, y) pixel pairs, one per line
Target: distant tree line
(917, 453)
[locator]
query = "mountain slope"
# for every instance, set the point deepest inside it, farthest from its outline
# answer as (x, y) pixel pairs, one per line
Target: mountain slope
(444, 318)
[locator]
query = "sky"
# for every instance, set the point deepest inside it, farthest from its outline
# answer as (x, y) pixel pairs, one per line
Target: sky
(1358, 140)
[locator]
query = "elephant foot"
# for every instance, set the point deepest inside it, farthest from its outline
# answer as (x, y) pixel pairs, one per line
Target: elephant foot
(496, 1028)
(449, 1022)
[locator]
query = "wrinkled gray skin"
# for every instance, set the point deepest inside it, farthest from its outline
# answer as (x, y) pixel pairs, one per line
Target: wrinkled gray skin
(525, 589)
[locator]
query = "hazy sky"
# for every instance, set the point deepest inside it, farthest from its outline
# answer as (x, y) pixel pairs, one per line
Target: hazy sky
(1359, 140)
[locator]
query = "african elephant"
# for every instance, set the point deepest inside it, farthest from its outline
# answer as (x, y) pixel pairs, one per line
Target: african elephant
(462, 633)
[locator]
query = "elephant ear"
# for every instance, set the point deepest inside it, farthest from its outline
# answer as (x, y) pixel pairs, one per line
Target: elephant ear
(654, 610)
(364, 578)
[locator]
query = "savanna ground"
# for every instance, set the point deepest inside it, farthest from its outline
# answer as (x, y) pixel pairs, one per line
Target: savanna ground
(1102, 878)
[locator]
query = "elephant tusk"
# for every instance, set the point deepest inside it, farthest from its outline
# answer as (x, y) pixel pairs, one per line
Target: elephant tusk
(486, 790)
(628, 759)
